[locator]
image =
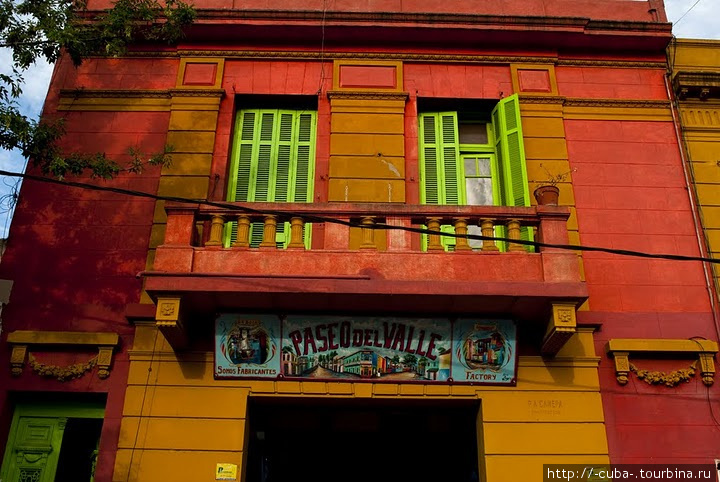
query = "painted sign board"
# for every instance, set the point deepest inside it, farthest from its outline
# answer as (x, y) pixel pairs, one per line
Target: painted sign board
(426, 350)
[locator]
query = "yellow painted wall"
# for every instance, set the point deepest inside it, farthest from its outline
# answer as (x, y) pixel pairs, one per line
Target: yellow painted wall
(700, 127)
(178, 421)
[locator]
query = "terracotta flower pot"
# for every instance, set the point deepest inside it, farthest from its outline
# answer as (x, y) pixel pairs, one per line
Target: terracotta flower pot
(547, 195)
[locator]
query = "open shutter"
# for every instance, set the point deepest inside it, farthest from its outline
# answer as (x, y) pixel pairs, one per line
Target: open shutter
(452, 178)
(303, 172)
(241, 166)
(440, 165)
(512, 172)
(282, 166)
(430, 159)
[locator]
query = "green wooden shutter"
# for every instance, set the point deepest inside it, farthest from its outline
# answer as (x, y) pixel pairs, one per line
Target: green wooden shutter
(303, 171)
(441, 177)
(273, 161)
(512, 172)
(453, 180)
(430, 159)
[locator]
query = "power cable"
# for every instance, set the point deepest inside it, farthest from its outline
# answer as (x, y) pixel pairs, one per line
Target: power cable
(378, 226)
(686, 12)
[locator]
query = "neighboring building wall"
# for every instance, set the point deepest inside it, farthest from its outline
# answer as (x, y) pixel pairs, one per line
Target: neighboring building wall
(74, 254)
(696, 81)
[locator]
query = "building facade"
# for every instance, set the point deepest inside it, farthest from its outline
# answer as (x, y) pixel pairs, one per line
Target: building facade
(297, 294)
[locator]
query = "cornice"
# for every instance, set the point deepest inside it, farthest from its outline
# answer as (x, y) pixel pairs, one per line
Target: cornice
(542, 99)
(197, 92)
(578, 102)
(424, 18)
(612, 63)
(701, 85)
(620, 103)
(370, 95)
(114, 93)
(139, 93)
(406, 57)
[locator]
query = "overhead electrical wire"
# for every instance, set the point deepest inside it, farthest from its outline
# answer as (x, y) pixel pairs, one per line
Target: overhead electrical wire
(686, 12)
(377, 226)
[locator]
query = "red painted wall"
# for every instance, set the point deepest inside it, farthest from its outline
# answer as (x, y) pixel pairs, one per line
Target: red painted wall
(73, 254)
(630, 193)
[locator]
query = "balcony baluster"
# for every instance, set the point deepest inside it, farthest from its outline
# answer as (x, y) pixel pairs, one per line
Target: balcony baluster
(368, 233)
(269, 232)
(461, 244)
(297, 226)
(487, 227)
(242, 240)
(216, 230)
(434, 243)
(513, 232)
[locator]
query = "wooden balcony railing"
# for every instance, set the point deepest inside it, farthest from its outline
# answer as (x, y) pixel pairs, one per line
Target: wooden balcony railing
(548, 223)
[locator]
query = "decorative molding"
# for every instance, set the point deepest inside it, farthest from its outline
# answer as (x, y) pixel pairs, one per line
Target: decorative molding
(170, 322)
(707, 116)
(670, 379)
(701, 85)
(519, 73)
(184, 92)
(638, 64)
(219, 64)
(621, 349)
(342, 73)
(619, 103)
(22, 339)
(406, 57)
(114, 93)
(62, 373)
(368, 95)
(541, 99)
(561, 327)
(122, 100)
(580, 102)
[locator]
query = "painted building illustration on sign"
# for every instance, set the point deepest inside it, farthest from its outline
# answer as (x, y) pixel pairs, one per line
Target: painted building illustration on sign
(484, 350)
(247, 345)
(387, 349)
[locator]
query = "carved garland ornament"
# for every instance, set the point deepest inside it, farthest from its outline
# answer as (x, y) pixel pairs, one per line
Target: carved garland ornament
(62, 373)
(702, 350)
(22, 340)
(670, 379)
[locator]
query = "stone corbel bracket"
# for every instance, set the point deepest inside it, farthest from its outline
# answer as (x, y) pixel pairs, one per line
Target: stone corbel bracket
(21, 340)
(621, 349)
(560, 328)
(170, 321)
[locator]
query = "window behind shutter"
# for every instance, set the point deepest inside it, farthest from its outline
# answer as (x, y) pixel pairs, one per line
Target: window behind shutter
(513, 183)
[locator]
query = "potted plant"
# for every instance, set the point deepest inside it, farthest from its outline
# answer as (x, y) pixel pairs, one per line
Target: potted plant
(547, 193)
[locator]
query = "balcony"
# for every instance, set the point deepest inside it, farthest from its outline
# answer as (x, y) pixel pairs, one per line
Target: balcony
(397, 277)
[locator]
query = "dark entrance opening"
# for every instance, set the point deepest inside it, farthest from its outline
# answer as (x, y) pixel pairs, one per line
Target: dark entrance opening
(361, 440)
(79, 450)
